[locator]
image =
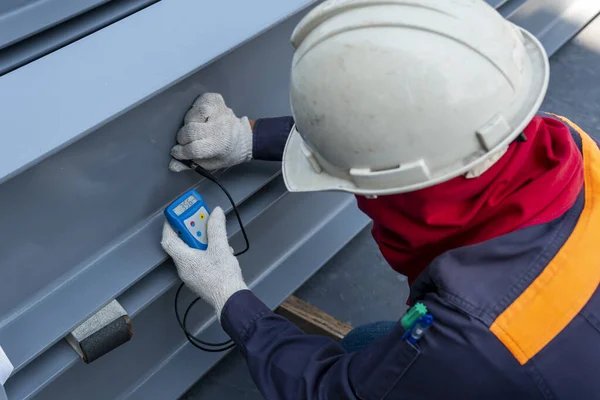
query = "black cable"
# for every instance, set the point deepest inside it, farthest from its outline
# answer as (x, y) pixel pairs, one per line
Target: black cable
(194, 340)
(205, 173)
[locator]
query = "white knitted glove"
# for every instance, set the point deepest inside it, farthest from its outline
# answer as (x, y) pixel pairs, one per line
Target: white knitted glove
(213, 274)
(212, 136)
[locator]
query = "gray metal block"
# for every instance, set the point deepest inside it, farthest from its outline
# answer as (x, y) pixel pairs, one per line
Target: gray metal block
(104, 331)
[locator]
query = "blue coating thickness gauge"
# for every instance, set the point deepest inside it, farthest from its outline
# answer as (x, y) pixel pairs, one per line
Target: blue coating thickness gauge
(188, 216)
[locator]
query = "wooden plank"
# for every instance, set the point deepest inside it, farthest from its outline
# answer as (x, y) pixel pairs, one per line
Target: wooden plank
(312, 320)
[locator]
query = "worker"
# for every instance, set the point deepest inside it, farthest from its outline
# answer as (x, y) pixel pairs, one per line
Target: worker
(427, 111)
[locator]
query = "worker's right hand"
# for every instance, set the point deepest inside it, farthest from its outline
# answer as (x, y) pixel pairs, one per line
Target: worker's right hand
(213, 274)
(212, 136)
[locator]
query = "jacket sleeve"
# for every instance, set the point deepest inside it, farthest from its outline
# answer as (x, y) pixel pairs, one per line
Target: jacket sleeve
(269, 138)
(284, 362)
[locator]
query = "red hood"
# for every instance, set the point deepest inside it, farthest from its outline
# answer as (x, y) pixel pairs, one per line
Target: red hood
(534, 182)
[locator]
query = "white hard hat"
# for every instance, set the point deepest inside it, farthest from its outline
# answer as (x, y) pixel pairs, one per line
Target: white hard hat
(391, 96)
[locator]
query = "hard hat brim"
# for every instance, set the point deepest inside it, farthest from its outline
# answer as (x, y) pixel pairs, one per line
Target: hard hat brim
(301, 176)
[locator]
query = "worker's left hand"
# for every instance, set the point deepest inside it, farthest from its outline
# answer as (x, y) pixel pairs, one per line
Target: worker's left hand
(213, 274)
(212, 136)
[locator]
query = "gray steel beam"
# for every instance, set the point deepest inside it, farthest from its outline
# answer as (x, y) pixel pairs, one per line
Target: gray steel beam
(60, 357)
(496, 3)
(105, 276)
(109, 265)
(273, 289)
(117, 68)
(553, 22)
(106, 193)
(50, 39)
(299, 224)
(19, 21)
(115, 181)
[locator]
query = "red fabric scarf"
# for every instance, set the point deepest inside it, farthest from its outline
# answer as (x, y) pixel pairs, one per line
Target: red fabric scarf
(533, 183)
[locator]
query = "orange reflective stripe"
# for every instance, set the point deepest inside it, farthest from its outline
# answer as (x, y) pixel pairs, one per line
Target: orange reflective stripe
(567, 283)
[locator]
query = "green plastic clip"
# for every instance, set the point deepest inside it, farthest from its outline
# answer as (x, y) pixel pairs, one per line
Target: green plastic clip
(414, 313)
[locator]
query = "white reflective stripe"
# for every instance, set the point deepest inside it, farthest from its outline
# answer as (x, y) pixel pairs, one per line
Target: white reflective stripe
(6, 367)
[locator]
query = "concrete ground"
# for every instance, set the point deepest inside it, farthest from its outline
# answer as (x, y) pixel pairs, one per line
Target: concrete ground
(357, 286)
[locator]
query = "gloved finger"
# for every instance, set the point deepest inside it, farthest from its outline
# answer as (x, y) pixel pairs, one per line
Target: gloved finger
(200, 114)
(196, 131)
(216, 230)
(173, 245)
(209, 147)
(177, 166)
(207, 105)
(195, 115)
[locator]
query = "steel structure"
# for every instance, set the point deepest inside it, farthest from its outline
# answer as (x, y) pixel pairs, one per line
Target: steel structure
(92, 93)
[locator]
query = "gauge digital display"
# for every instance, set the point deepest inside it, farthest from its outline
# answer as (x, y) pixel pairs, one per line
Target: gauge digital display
(186, 204)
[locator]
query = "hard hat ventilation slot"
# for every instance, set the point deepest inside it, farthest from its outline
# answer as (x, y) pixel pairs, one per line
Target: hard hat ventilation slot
(311, 158)
(412, 172)
(493, 132)
(381, 169)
